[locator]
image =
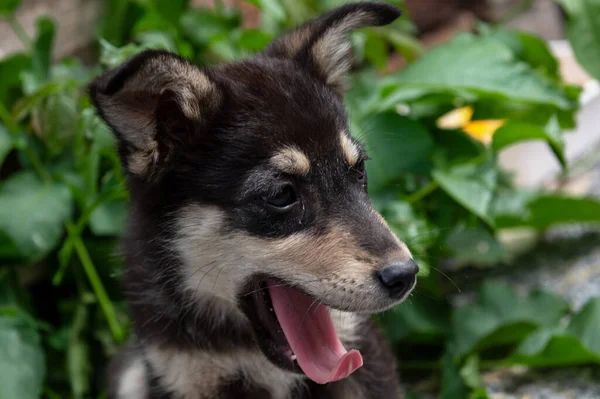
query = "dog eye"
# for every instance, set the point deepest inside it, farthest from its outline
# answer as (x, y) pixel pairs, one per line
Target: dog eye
(285, 197)
(360, 169)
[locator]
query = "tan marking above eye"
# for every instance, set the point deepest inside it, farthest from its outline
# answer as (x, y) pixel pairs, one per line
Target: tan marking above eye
(350, 150)
(291, 160)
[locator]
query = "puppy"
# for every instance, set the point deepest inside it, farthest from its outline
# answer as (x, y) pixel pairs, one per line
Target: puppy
(253, 255)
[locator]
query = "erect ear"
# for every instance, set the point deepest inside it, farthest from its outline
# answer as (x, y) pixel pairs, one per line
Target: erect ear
(323, 44)
(153, 102)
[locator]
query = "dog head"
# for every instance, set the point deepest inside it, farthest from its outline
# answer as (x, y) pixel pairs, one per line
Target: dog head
(255, 174)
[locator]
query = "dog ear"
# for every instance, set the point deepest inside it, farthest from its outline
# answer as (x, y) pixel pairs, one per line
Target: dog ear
(153, 103)
(323, 44)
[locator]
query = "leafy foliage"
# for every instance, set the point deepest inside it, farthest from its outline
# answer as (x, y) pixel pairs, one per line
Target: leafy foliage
(584, 32)
(63, 203)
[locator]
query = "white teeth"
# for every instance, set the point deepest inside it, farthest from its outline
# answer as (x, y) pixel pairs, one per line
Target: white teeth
(271, 309)
(293, 357)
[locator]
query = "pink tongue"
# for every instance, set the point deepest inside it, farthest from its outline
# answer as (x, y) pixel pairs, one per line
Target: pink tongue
(310, 332)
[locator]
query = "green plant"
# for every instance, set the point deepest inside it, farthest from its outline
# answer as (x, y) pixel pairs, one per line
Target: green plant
(63, 202)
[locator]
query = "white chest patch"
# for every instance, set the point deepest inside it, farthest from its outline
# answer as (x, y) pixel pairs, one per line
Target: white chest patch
(198, 375)
(132, 384)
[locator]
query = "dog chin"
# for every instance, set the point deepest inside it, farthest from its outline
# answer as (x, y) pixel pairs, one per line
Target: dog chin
(296, 331)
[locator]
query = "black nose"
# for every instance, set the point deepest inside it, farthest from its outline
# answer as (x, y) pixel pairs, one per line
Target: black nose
(399, 277)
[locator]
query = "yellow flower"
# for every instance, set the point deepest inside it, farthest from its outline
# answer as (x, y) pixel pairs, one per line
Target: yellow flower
(460, 118)
(455, 119)
(483, 130)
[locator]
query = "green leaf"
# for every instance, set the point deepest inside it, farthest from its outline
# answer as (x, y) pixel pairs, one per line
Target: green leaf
(578, 344)
(405, 44)
(501, 317)
(376, 50)
(513, 132)
(32, 213)
(57, 119)
(554, 209)
(8, 7)
(471, 185)
(111, 56)
(585, 325)
(42, 48)
(171, 10)
(583, 31)
(475, 246)
(201, 25)
(486, 67)
(535, 52)
(528, 48)
(396, 145)
(22, 364)
(11, 69)
(113, 26)
(540, 210)
(272, 8)
(453, 386)
(108, 219)
(454, 147)
(549, 347)
(421, 319)
(415, 230)
(469, 373)
(6, 143)
(156, 40)
(254, 40)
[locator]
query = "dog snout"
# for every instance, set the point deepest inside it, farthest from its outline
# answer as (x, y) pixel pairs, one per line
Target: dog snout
(398, 277)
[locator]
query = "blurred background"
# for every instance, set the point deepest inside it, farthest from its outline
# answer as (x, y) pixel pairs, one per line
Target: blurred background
(483, 121)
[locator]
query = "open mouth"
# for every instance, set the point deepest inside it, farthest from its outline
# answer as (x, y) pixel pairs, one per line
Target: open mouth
(296, 332)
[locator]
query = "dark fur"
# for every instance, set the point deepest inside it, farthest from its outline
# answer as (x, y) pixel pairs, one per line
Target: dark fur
(218, 157)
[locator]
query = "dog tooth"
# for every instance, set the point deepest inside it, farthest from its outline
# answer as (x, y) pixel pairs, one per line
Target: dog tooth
(293, 357)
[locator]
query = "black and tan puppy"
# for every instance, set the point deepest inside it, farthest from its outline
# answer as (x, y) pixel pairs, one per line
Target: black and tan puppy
(254, 256)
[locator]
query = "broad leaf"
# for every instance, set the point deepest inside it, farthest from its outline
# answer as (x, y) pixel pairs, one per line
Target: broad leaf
(578, 344)
(171, 10)
(108, 219)
(453, 385)
(203, 24)
(513, 132)
(254, 40)
(22, 364)
(42, 48)
(475, 247)
(583, 30)
(6, 143)
(156, 40)
(540, 210)
(528, 48)
(470, 185)
(501, 317)
(32, 213)
(272, 8)
(413, 229)
(551, 348)
(585, 325)
(536, 53)
(11, 69)
(396, 145)
(469, 373)
(421, 319)
(8, 7)
(376, 50)
(485, 67)
(111, 56)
